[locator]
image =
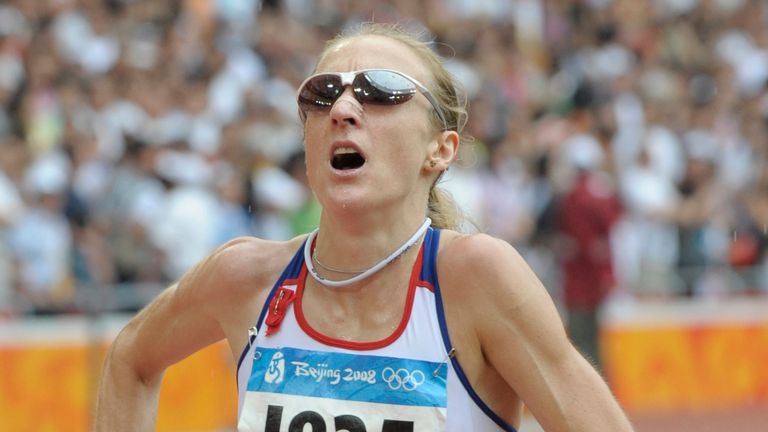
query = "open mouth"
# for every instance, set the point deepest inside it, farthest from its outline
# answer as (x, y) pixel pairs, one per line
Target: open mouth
(347, 159)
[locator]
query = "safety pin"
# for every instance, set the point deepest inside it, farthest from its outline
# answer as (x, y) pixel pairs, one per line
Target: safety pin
(252, 333)
(280, 296)
(451, 354)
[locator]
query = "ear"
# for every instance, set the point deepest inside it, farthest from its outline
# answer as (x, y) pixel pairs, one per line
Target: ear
(442, 151)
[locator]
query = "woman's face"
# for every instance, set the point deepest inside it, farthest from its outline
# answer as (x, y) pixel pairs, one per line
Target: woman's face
(392, 143)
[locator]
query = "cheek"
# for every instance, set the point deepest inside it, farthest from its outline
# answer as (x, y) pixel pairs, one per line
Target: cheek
(409, 139)
(405, 154)
(313, 162)
(312, 153)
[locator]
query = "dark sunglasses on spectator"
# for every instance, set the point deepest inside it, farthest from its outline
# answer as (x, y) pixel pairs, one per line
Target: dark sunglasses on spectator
(370, 86)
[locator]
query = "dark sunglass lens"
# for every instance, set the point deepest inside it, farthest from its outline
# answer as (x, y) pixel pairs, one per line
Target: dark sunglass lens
(319, 93)
(383, 88)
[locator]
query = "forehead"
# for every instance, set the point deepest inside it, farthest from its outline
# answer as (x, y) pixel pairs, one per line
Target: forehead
(371, 52)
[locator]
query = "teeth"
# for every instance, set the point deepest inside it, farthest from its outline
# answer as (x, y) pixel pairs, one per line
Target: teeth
(344, 150)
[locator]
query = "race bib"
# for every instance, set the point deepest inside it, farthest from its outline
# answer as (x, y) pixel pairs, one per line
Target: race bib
(294, 390)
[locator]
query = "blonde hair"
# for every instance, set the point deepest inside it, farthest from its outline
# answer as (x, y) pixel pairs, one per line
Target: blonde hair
(441, 207)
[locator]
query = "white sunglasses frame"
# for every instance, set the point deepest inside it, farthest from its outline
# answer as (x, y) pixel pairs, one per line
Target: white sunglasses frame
(347, 78)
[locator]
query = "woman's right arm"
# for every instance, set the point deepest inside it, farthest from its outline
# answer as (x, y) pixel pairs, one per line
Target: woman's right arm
(183, 319)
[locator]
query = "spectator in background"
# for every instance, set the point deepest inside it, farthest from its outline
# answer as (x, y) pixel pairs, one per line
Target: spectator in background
(12, 209)
(699, 214)
(42, 241)
(233, 212)
(649, 245)
(747, 251)
(587, 213)
(187, 228)
(132, 204)
(513, 217)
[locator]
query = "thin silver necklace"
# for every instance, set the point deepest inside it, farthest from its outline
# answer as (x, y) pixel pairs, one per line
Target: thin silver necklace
(335, 270)
(308, 259)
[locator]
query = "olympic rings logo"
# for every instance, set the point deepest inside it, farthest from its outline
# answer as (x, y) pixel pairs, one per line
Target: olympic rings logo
(402, 378)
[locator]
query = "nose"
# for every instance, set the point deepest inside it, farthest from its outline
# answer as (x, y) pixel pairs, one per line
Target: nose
(346, 110)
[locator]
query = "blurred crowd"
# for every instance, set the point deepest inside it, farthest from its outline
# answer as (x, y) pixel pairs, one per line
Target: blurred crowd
(620, 145)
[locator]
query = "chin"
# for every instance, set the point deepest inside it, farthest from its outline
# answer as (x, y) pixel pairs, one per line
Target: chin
(353, 199)
(347, 202)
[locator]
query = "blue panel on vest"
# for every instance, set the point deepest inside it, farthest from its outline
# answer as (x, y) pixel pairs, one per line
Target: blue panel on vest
(341, 376)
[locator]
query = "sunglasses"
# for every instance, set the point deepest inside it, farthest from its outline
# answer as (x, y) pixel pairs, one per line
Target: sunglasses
(370, 86)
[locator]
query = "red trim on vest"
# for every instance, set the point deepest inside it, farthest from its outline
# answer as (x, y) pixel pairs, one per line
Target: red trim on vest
(359, 346)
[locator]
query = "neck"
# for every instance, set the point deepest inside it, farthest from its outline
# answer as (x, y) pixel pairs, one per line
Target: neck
(360, 272)
(356, 239)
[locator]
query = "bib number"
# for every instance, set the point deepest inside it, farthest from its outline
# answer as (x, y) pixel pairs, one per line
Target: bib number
(347, 422)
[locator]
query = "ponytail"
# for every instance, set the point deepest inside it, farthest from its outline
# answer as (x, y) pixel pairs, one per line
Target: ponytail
(443, 210)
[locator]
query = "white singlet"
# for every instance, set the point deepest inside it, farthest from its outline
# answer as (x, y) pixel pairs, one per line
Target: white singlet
(291, 376)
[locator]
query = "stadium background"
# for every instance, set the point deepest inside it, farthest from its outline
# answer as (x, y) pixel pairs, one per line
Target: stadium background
(135, 135)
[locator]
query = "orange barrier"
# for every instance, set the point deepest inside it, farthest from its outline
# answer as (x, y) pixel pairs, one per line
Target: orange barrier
(698, 367)
(657, 357)
(48, 384)
(200, 393)
(45, 388)
(689, 356)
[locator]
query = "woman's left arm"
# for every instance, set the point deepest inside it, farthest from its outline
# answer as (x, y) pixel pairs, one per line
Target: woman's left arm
(523, 338)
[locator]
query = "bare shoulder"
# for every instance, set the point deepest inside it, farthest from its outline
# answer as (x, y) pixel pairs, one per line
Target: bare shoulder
(506, 329)
(478, 244)
(478, 258)
(242, 266)
(494, 307)
(250, 259)
(218, 298)
(492, 282)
